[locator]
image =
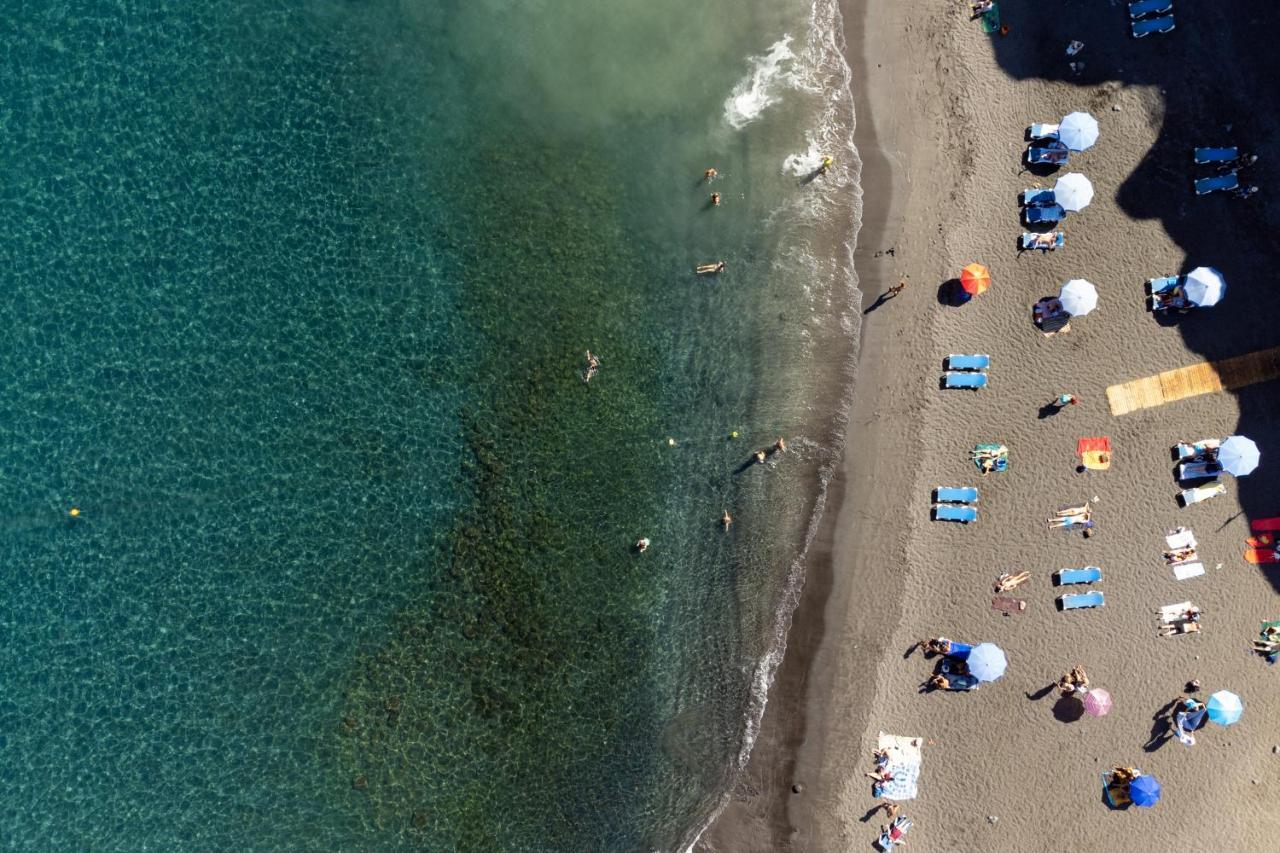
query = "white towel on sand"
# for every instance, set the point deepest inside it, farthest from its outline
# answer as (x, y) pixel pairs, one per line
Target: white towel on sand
(904, 764)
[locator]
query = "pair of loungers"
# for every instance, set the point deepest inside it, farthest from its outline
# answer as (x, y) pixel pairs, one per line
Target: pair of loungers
(1080, 600)
(966, 371)
(1041, 205)
(1150, 16)
(953, 503)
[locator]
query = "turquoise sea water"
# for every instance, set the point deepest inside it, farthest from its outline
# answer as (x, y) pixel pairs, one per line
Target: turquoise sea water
(296, 299)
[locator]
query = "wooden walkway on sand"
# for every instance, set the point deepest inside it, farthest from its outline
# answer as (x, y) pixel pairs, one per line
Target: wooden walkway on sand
(1207, 377)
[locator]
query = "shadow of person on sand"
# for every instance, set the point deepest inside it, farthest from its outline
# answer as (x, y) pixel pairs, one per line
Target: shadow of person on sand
(1049, 409)
(1161, 729)
(885, 296)
(1042, 692)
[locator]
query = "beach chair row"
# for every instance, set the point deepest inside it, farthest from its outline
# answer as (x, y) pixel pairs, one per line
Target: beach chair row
(1150, 16)
(966, 371)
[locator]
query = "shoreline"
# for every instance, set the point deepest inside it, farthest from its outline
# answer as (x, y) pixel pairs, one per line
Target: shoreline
(763, 812)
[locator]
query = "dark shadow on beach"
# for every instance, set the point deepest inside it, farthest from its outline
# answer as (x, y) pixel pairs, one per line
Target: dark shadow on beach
(1041, 693)
(885, 296)
(952, 294)
(1205, 104)
(1068, 709)
(1048, 410)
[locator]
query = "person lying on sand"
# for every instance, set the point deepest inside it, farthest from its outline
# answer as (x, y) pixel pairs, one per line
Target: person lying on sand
(1124, 774)
(1174, 628)
(1006, 581)
(1266, 647)
(1181, 555)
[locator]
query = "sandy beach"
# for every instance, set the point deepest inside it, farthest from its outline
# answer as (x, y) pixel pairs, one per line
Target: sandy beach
(942, 108)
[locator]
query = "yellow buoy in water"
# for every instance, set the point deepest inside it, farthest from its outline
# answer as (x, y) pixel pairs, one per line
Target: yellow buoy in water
(75, 512)
(733, 434)
(671, 442)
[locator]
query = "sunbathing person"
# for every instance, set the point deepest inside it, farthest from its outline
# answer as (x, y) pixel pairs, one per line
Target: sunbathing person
(1181, 627)
(1181, 555)
(1007, 582)
(1044, 241)
(1124, 774)
(1266, 647)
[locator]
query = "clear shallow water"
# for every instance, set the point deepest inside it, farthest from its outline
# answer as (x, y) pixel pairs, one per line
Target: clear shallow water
(296, 299)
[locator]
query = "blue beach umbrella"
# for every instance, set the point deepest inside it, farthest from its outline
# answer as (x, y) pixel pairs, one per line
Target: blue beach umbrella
(1225, 707)
(1078, 131)
(987, 662)
(1144, 791)
(1238, 455)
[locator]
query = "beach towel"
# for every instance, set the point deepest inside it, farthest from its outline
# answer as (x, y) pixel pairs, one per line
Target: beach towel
(1180, 538)
(1007, 604)
(991, 20)
(904, 764)
(1095, 453)
(1171, 613)
(1180, 729)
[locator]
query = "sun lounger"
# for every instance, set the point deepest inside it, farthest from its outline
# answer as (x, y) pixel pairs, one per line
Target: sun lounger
(955, 495)
(1043, 131)
(1142, 8)
(1041, 155)
(1039, 198)
(1036, 215)
(1115, 793)
(1201, 493)
(972, 381)
(1147, 26)
(1182, 571)
(1160, 285)
(1206, 448)
(968, 362)
(1089, 574)
(1198, 470)
(1056, 240)
(950, 512)
(1080, 600)
(1216, 155)
(1218, 183)
(1265, 525)
(1262, 556)
(1171, 613)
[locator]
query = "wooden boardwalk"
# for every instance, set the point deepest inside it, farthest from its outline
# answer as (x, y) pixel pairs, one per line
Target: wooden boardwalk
(1207, 377)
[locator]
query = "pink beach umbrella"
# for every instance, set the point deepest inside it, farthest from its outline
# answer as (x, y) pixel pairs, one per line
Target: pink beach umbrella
(1097, 702)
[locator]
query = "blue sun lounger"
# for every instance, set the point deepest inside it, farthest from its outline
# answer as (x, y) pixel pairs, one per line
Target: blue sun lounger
(1039, 198)
(1147, 26)
(1226, 182)
(962, 514)
(1035, 215)
(1142, 8)
(1031, 241)
(971, 381)
(1089, 574)
(955, 495)
(968, 362)
(1043, 131)
(1160, 285)
(1216, 155)
(1079, 600)
(1038, 155)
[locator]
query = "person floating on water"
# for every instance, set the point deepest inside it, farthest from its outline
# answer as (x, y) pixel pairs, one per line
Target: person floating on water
(709, 174)
(780, 446)
(642, 545)
(726, 520)
(715, 199)
(710, 269)
(593, 366)
(759, 456)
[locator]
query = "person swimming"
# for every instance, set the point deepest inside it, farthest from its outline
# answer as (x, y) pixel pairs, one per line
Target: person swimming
(709, 269)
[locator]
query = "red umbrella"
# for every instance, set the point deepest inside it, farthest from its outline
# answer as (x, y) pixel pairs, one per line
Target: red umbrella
(1097, 702)
(975, 278)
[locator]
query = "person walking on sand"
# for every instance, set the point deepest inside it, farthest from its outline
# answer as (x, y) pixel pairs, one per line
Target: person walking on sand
(1065, 400)
(899, 287)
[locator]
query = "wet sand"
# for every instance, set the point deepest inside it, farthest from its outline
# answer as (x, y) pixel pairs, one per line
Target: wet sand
(941, 113)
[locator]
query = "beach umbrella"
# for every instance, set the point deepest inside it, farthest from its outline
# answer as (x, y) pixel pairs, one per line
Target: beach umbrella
(1238, 455)
(1073, 191)
(975, 278)
(1078, 131)
(1097, 702)
(1144, 791)
(1078, 297)
(1204, 286)
(987, 662)
(1225, 707)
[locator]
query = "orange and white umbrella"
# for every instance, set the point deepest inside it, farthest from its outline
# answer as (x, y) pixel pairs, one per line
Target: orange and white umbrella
(975, 279)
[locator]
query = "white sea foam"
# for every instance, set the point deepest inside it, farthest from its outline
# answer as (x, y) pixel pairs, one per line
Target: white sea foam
(771, 73)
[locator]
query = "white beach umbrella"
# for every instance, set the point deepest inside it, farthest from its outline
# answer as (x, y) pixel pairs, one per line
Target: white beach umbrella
(1238, 455)
(1078, 131)
(1078, 297)
(1205, 286)
(1073, 191)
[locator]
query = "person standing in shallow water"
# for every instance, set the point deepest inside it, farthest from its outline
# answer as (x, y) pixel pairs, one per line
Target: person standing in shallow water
(709, 174)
